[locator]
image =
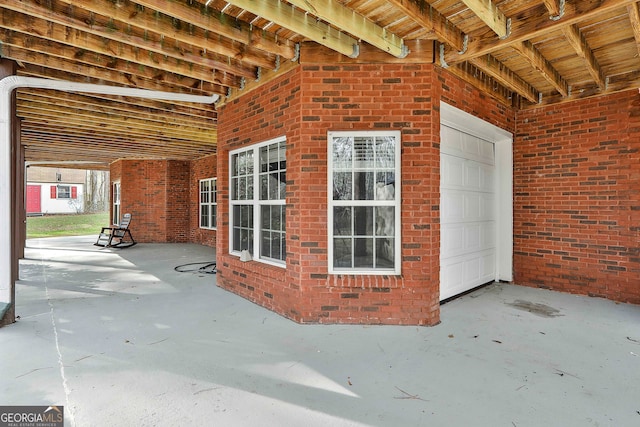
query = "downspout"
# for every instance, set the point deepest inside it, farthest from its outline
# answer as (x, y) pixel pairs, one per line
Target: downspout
(7, 85)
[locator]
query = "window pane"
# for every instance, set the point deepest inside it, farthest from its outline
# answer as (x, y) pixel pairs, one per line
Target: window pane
(342, 153)
(342, 253)
(384, 252)
(283, 185)
(214, 215)
(385, 221)
(363, 221)
(363, 152)
(266, 244)
(204, 216)
(363, 185)
(342, 221)
(342, 186)
(385, 152)
(363, 253)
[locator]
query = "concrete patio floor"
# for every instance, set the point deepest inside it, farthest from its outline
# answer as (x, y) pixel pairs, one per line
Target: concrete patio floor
(121, 339)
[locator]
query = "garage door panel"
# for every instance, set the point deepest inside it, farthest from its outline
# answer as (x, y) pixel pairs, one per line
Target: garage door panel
(466, 272)
(466, 206)
(468, 214)
(461, 239)
(466, 146)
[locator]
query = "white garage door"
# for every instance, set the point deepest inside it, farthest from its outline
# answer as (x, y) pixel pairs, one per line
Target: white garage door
(468, 212)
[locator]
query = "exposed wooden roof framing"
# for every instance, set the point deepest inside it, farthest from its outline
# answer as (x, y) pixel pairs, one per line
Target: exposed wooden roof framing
(525, 53)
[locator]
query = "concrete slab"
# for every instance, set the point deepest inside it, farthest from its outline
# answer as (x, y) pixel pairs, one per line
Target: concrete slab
(120, 338)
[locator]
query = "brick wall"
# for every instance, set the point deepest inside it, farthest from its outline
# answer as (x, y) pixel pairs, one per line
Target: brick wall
(203, 168)
(304, 105)
(577, 197)
(157, 194)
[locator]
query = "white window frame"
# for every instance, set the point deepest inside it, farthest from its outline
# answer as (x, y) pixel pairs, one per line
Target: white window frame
(255, 202)
(396, 203)
(66, 192)
(209, 198)
(116, 203)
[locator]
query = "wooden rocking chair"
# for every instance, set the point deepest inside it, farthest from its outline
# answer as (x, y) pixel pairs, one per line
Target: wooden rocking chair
(117, 236)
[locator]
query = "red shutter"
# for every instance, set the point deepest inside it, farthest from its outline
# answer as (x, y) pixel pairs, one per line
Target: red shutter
(54, 192)
(74, 192)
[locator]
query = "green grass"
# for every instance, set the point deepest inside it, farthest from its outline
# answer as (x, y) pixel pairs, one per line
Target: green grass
(66, 225)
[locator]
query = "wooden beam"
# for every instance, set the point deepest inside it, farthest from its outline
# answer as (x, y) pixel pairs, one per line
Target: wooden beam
(220, 23)
(544, 67)
(113, 108)
(475, 77)
(101, 67)
(489, 13)
(581, 46)
(147, 19)
(522, 30)
(132, 125)
(634, 17)
(429, 18)
(302, 23)
(555, 8)
(620, 83)
(102, 37)
(342, 17)
(506, 77)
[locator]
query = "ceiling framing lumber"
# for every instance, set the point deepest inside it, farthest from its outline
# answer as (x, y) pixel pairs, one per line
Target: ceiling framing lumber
(634, 17)
(508, 78)
(357, 25)
(489, 13)
(581, 46)
(220, 23)
(302, 23)
(555, 8)
(553, 51)
(428, 17)
(95, 34)
(523, 30)
(544, 67)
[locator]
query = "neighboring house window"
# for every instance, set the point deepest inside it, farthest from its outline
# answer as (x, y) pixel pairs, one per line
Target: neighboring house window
(258, 217)
(116, 203)
(64, 192)
(208, 203)
(364, 202)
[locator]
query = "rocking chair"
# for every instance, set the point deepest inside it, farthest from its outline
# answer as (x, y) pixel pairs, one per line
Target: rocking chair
(117, 236)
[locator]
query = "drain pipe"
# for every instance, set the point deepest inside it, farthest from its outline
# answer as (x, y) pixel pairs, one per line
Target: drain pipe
(7, 86)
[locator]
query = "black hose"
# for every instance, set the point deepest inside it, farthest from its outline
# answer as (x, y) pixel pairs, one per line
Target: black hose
(207, 267)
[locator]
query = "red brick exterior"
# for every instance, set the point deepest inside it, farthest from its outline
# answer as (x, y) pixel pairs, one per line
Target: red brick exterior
(577, 197)
(157, 194)
(203, 168)
(304, 105)
(576, 191)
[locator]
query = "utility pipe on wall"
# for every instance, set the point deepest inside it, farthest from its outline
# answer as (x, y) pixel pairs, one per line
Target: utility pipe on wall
(7, 86)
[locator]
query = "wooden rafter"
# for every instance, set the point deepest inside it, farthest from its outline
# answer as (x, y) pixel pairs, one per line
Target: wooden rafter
(555, 8)
(506, 77)
(544, 67)
(302, 23)
(104, 68)
(429, 18)
(581, 46)
(146, 19)
(99, 34)
(357, 25)
(634, 17)
(222, 24)
(489, 13)
(523, 30)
